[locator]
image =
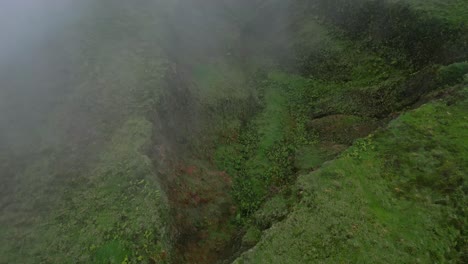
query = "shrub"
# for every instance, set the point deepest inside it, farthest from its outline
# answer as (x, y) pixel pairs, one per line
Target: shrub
(452, 74)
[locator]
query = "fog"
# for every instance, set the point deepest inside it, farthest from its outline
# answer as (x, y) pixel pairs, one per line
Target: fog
(33, 60)
(73, 73)
(25, 24)
(70, 71)
(49, 48)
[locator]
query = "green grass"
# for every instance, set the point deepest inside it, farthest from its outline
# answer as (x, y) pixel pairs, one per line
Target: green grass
(396, 196)
(355, 209)
(113, 211)
(267, 129)
(311, 157)
(280, 138)
(112, 252)
(271, 122)
(218, 80)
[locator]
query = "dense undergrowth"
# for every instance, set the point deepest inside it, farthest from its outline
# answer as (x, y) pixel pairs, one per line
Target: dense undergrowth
(395, 196)
(345, 92)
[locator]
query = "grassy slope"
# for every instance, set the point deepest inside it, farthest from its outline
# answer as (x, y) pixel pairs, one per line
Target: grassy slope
(452, 10)
(113, 210)
(384, 200)
(102, 219)
(90, 194)
(262, 153)
(351, 87)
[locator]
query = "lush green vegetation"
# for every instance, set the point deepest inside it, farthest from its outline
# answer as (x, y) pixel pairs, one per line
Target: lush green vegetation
(195, 133)
(394, 196)
(345, 92)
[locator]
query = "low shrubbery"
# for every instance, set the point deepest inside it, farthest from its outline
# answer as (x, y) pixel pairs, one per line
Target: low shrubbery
(404, 31)
(394, 197)
(453, 73)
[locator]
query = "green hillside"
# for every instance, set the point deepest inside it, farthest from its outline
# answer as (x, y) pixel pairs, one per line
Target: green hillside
(267, 131)
(396, 196)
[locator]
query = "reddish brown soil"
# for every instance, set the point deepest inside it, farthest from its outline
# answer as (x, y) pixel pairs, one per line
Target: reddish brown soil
(201, 213)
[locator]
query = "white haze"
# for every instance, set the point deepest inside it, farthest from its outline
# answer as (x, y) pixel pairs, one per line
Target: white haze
(26, 23)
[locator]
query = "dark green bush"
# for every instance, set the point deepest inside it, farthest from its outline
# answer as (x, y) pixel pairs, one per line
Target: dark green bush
(452, 74)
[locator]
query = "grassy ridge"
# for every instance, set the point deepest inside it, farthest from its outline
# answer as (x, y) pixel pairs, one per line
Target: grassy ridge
(396, 196)
(344, 93)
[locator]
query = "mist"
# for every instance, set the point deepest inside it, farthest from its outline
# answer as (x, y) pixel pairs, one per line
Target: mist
(77, 77)
(26, 24)
(34, 59)
(208, 131)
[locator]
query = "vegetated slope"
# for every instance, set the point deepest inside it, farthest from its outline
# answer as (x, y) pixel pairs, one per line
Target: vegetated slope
(224, 104)
(453, 11)
(405, 201)
(79, 185)
(146, 87)
(395, 196)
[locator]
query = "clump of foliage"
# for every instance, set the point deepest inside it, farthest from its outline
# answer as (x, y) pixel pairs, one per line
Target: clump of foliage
(453, 73)
(251, 237)
(275, 209)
